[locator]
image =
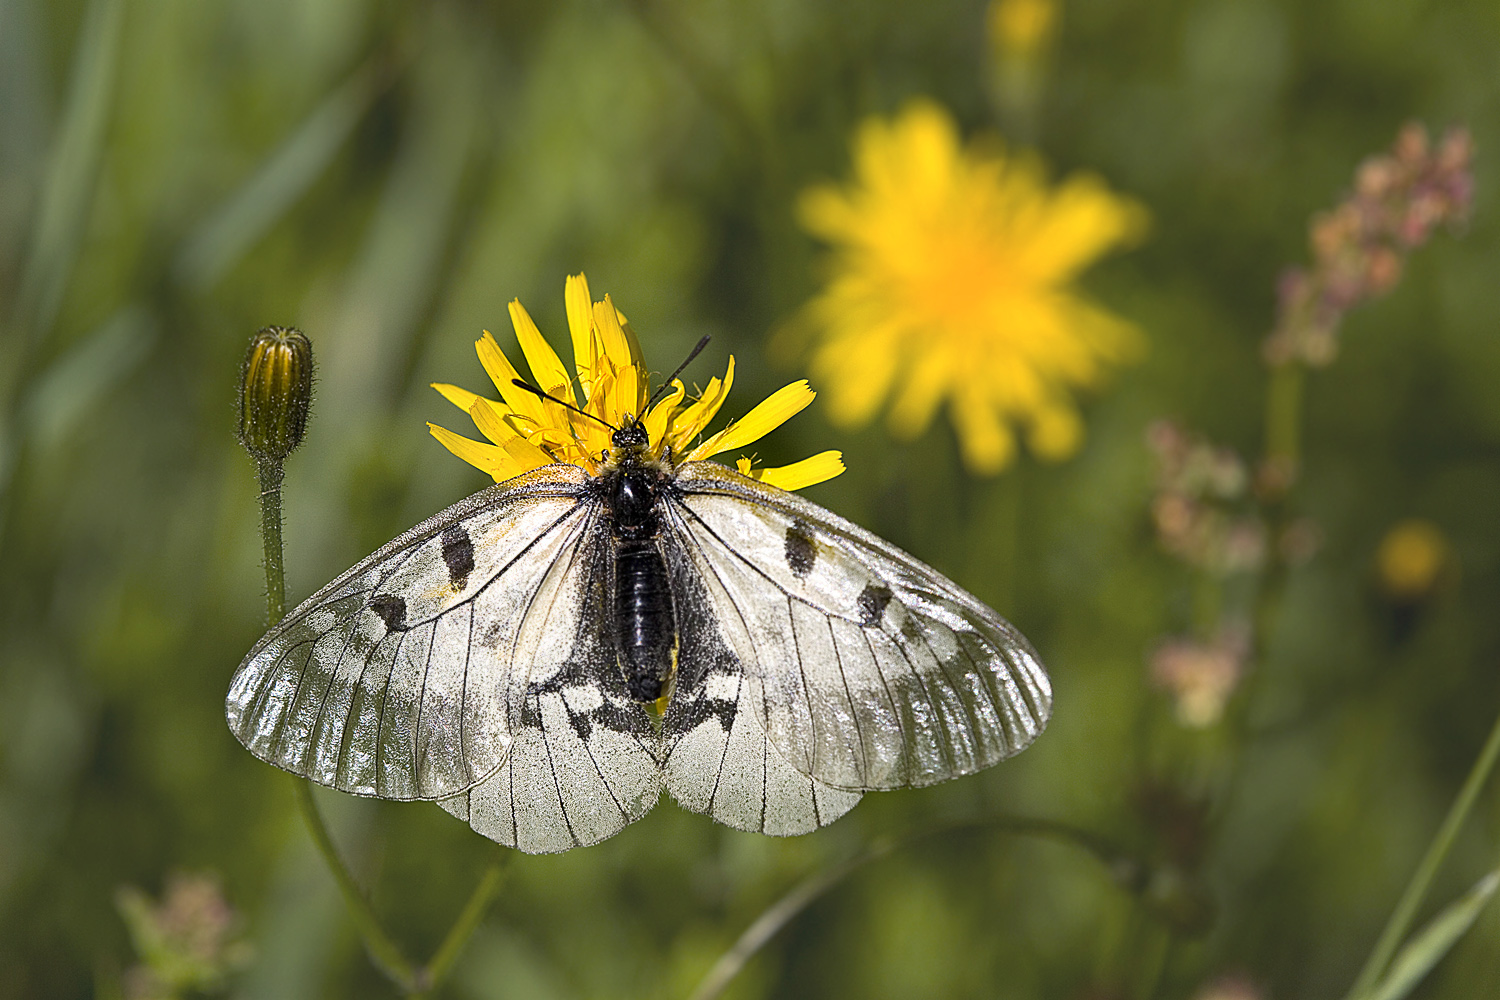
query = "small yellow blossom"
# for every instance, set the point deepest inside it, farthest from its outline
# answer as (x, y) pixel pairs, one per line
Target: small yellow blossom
(950, 280)
(1411, 558)
(610, 381)
(1018, 28)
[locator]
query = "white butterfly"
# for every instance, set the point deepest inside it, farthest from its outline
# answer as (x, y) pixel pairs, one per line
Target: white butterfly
(542, 674)
(545, 656)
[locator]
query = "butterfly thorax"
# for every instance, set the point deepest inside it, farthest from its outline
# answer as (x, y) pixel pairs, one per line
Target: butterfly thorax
(645, 621)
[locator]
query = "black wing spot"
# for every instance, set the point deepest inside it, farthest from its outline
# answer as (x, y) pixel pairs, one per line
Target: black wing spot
(801, 549)
(872, 602)
(458, 553)
(702, 708)
(581, 723)
(392, 610)
(493, 635)
(531, 711)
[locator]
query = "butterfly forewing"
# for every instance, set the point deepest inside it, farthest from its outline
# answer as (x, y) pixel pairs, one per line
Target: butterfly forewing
(866, 668)
(400, 678)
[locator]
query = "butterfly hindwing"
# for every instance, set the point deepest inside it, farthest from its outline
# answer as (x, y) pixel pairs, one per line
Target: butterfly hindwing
(583, 762)
(400, 678)
(865, 668)
(718, 759)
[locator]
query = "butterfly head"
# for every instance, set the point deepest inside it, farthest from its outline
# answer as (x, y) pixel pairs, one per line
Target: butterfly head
(631, 436)
(630, 448)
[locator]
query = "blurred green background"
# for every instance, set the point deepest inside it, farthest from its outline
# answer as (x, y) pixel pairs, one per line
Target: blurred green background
(175, 174)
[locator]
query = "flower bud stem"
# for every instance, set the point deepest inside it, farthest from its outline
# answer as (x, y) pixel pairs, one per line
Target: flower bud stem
(270, 471)
(385, 952)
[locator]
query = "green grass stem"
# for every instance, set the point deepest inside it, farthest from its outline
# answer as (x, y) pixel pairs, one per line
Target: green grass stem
(1416, 890)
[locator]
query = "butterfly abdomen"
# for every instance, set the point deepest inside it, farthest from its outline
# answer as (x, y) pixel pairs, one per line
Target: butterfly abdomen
(645, 623)
(645, 620)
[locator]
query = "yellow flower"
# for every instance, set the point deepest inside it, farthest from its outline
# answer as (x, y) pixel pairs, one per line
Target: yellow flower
(1018, 28)
(1411, 559)
(951, 278)
(527, 432)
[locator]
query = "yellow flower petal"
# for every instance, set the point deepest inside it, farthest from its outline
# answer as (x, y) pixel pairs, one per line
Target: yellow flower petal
(611, 333)
(636, 357)
(628, 401)
(696, 416)
(586, 346)
(859, 375)
(1055, 432)
(458, 396)
(985, 441)
(769, 414)
(919, 392)
(490, 459)
(547, 369)
(808, 472)
(661, 414)
(504, 374)
(602, 400)
(490, 419)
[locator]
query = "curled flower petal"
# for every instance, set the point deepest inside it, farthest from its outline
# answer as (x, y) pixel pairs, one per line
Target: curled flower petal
(769, 414)
(699, 414)
(661, 414)
(611, 333)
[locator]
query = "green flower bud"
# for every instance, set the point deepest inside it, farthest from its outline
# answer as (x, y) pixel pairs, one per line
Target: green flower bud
(275, 393)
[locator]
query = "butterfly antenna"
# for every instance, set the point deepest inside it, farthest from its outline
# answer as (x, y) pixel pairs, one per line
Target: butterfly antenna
(685, 362)
(534, 390)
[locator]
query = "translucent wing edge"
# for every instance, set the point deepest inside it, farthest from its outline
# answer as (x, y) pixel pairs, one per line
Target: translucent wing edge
(560, 481)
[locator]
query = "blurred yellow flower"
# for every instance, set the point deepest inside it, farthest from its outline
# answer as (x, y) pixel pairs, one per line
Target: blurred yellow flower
(950, 278)
(1411, 558)
(1018, 28)
(527, 432)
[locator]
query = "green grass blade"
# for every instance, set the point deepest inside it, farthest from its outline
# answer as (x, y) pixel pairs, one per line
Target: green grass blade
(68, 189)
(73, 385)
(218, 244)
(1428, 946)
